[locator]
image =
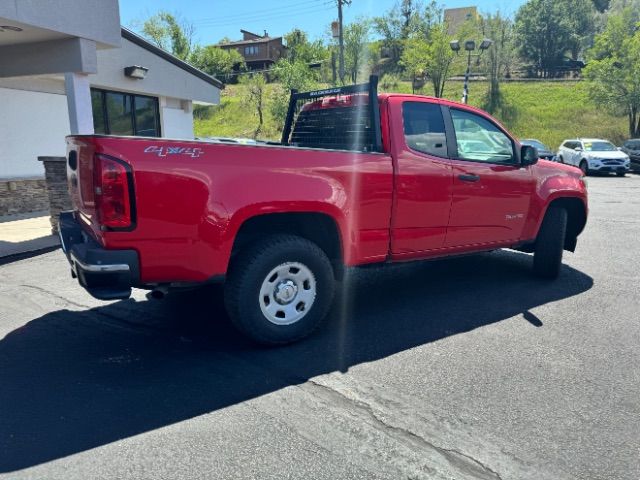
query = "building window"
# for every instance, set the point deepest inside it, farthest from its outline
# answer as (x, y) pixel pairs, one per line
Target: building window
(252, 50)
(117, 113)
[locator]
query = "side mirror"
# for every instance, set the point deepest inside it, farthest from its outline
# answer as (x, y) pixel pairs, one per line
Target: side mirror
(528, 155)
(578, 149)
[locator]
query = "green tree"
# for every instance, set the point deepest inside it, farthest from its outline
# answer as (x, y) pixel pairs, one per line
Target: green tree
(390, 27)
(601, 5)
(356, 39)
(406, 19)
(501, 58)
(547, 29)
(170, 33)
(581, 23)
(217, 61)
(431, 56)
(291, 75)
(300, 48)
(613, 69)
(256, 85)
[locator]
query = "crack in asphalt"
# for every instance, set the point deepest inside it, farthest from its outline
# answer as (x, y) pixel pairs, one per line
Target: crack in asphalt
(455, 458)
(114, 321)
(320, 448)
(55, 295)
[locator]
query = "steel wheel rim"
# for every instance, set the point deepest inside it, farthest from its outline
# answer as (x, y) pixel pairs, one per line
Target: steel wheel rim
(287, 293)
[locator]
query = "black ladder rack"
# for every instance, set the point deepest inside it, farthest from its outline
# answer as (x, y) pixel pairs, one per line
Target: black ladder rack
(374, 110)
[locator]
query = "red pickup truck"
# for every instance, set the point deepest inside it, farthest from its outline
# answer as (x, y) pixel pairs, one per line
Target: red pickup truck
(359, 178)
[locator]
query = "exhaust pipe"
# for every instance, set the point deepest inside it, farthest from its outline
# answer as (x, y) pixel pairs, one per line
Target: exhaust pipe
(159, 293)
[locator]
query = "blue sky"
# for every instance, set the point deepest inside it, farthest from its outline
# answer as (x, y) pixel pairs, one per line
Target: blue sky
(215, 19)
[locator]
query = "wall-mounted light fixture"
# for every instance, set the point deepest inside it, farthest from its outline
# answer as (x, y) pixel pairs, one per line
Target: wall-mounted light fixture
(136, 71)
(9, 28)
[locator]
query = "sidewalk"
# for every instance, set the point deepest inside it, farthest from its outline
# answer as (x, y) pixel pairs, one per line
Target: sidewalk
(24, 233)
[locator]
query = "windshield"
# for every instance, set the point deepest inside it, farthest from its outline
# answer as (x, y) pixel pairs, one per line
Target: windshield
(599, 146)
(535, 143)
(633, 145)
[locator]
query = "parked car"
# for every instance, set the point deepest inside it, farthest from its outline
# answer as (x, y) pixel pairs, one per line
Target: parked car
(632, 149)
(594, 155)
(357, 179)
(543, 151)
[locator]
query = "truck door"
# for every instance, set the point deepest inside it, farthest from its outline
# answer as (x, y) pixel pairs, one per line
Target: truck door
(491, 191)
(423, 182)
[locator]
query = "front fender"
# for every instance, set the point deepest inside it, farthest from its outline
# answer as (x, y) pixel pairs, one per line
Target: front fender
(554, 182)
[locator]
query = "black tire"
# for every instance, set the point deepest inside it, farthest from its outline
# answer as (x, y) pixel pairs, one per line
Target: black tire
(584, 166)
(560, 159)
(547, 254)
(247, 276)
(621, 174)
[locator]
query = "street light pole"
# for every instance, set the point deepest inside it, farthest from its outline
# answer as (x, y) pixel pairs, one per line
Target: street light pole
(469, 46)
(465, 91)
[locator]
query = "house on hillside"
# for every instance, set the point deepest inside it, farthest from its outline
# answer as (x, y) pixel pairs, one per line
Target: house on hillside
(259, 51)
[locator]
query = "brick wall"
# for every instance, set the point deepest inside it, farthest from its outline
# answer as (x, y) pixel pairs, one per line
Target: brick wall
(23, 196)
(55, 169)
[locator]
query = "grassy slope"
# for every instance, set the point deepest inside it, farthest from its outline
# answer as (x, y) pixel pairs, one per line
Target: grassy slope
(548, 111)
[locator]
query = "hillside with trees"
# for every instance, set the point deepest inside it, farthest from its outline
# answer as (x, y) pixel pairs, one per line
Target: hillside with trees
(532, 77)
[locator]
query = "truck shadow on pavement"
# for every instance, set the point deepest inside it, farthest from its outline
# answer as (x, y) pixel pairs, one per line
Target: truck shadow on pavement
(75, 380)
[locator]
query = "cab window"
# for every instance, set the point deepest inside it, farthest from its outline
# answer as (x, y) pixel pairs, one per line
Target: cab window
(424, 128)
(480, 140)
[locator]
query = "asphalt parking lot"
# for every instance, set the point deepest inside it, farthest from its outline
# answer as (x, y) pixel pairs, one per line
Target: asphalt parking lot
(458, 369)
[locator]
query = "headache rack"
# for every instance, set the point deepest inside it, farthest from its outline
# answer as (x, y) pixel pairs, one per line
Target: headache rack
(340, 118)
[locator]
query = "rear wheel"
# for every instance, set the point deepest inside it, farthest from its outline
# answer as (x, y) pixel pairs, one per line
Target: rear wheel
(560, 159)
(547, 255)
(279, 290)
(584, 166)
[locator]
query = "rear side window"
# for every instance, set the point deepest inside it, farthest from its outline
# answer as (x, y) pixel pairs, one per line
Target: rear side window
(424, 128)
(335, 128)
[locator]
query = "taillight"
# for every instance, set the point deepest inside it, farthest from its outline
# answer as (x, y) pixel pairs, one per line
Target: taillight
(113, 193)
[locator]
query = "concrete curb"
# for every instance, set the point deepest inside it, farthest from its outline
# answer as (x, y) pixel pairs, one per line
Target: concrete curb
(49, 242)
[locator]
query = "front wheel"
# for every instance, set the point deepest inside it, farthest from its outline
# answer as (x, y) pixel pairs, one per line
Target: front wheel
(547, 254)
(621, 174)
(279, 290)
(584, 166)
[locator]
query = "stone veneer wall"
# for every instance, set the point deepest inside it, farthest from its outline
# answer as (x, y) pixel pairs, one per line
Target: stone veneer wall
(23, 195)
(55, 170)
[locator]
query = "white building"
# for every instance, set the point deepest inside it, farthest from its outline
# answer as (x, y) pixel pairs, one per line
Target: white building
(68, 67)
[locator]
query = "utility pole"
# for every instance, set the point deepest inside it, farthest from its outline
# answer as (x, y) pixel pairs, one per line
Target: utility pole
(341, 42)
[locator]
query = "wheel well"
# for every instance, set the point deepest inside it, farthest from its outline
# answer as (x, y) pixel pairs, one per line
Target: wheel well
(319, 228)
(576, 219)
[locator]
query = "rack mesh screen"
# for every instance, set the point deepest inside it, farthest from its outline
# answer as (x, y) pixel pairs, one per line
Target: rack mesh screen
(333, 122)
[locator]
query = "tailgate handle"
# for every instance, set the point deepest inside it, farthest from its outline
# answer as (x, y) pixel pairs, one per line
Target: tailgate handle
(469, 178)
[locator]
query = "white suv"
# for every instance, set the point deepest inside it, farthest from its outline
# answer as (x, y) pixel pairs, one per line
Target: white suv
(594, 155)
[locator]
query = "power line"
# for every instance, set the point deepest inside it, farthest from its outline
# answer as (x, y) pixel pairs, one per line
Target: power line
(254, 18)
(265, 10)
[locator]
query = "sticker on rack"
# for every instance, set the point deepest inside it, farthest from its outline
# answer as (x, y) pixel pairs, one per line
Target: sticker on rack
(162, 151)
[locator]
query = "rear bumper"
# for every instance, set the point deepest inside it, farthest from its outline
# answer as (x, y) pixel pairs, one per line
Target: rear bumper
(105, 274)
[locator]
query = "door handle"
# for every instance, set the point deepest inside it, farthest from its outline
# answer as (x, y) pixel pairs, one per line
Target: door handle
(469, 178)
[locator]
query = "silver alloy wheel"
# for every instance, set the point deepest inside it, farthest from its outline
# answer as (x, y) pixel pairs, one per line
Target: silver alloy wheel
(287, 293)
